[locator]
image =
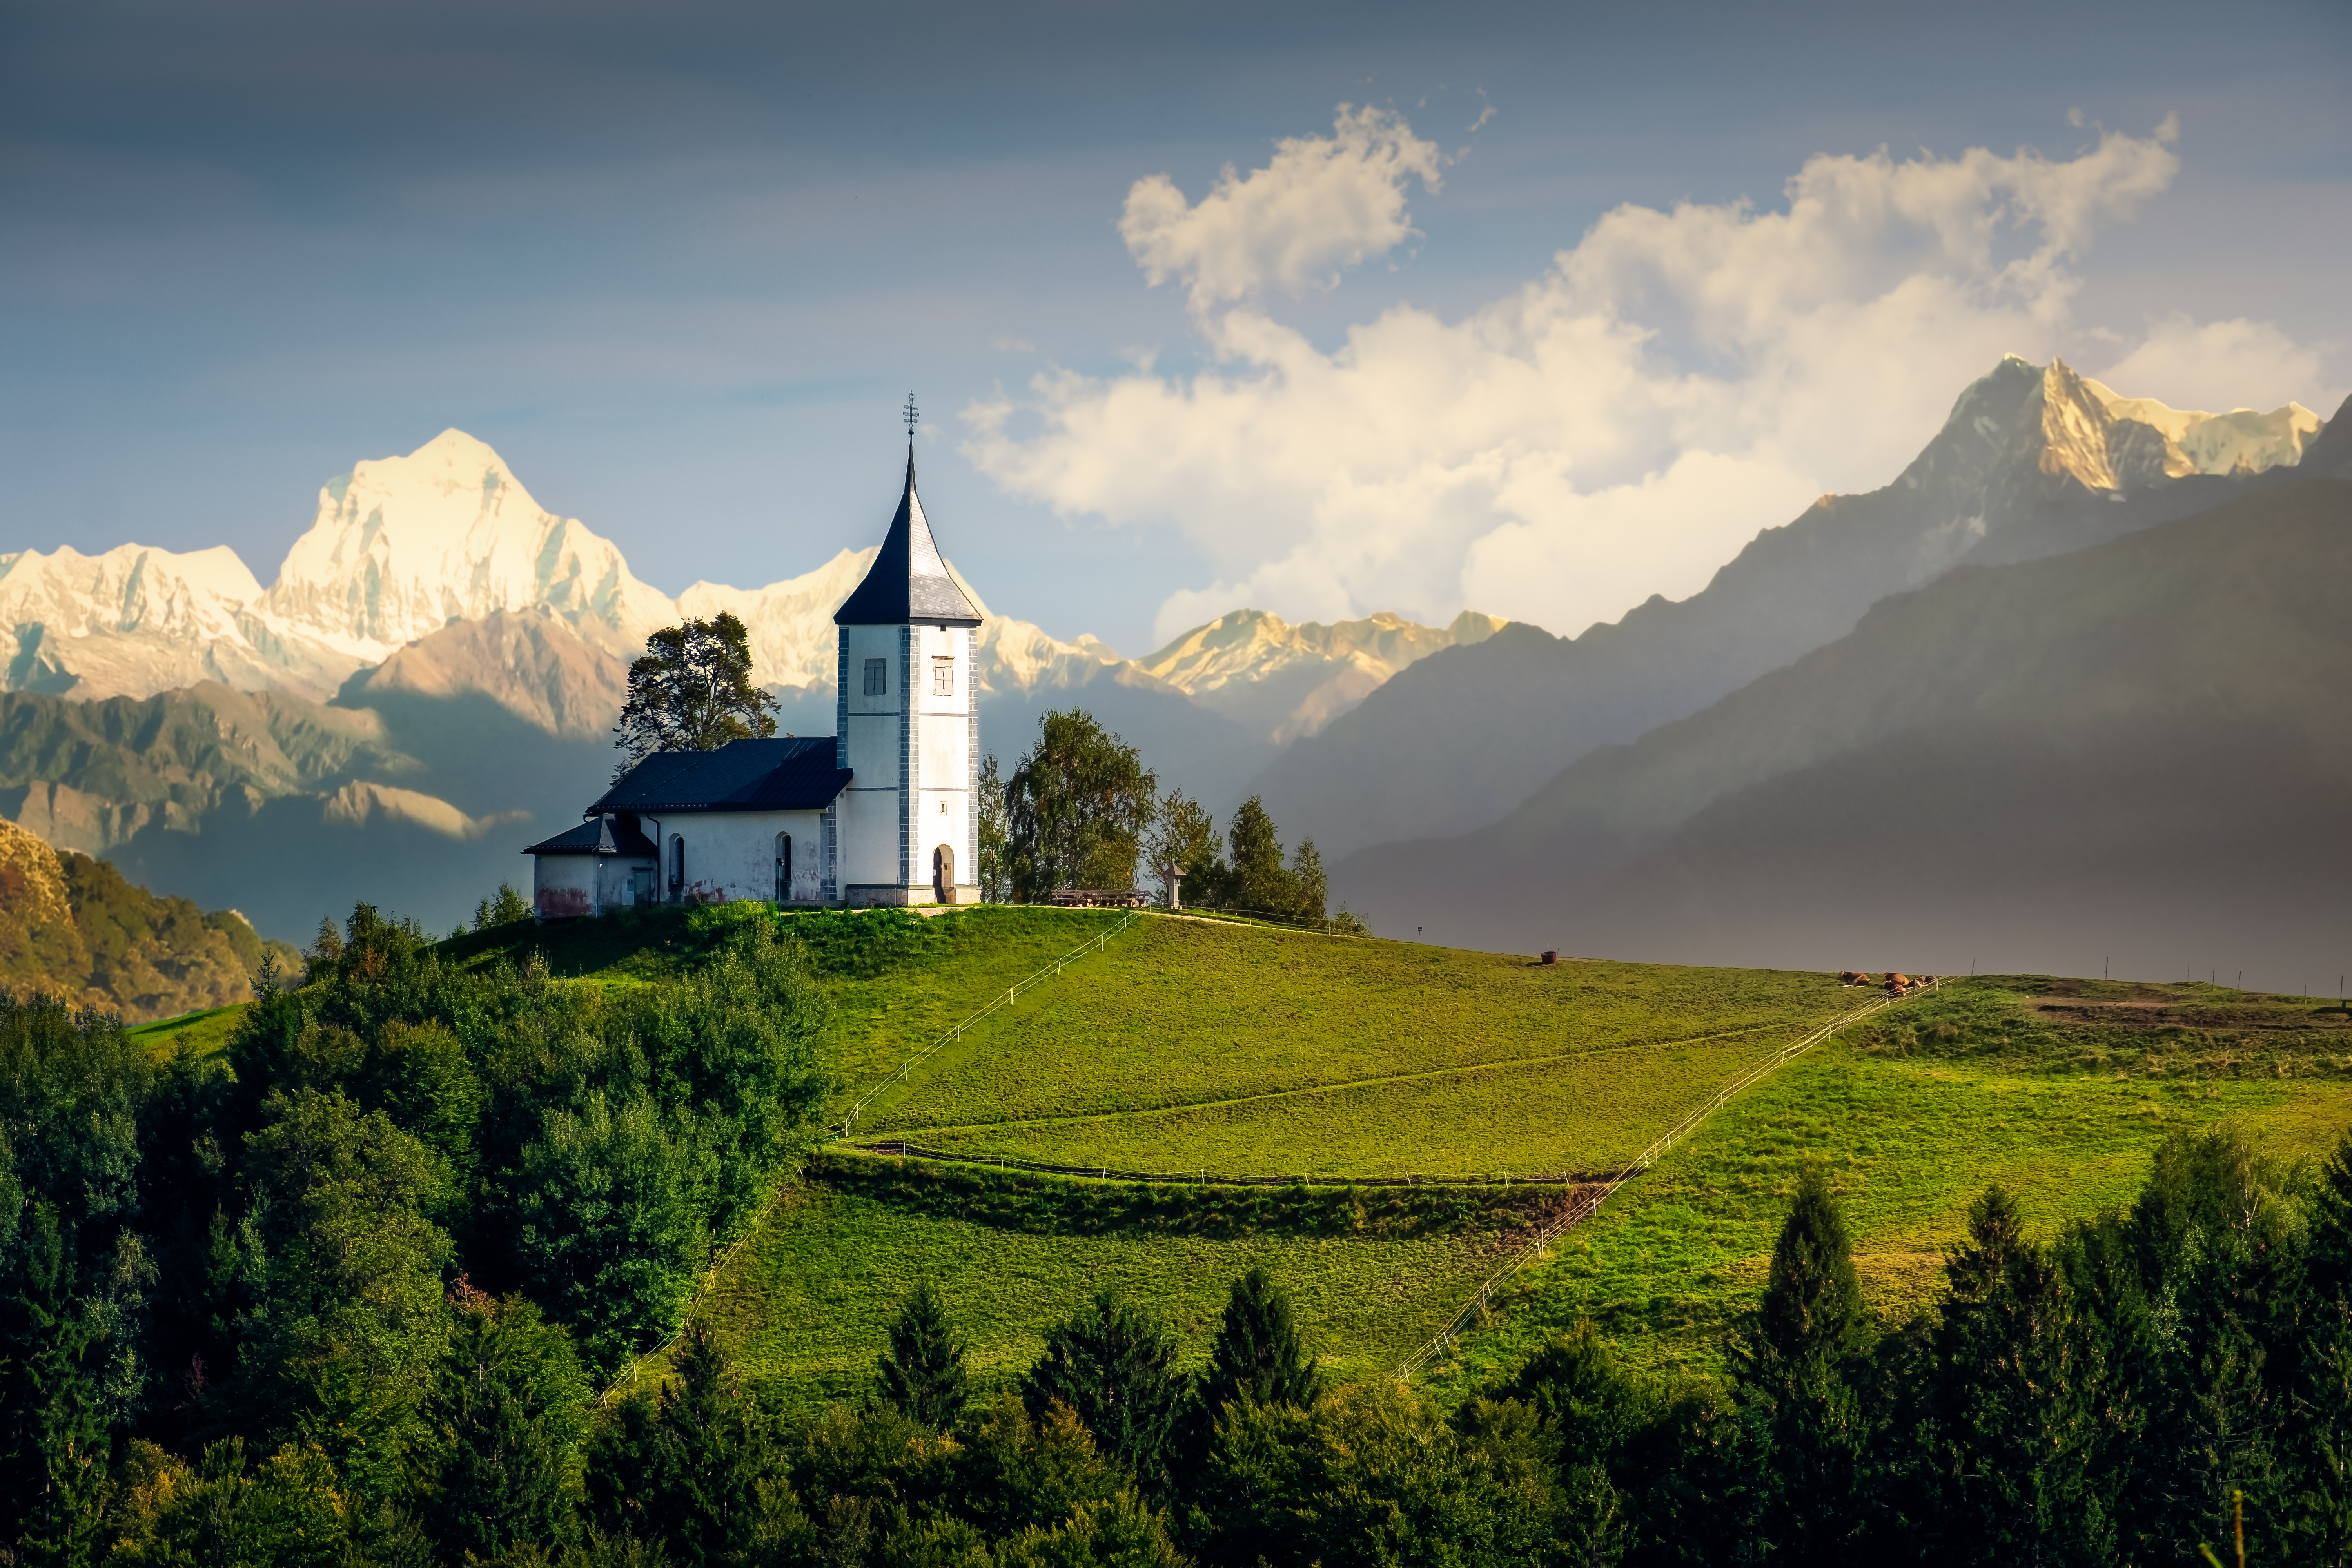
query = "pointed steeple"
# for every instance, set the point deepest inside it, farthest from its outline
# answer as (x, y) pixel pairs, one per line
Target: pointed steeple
(908, 580)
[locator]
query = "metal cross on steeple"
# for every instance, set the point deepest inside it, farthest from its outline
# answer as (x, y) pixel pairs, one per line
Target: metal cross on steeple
(913, 415)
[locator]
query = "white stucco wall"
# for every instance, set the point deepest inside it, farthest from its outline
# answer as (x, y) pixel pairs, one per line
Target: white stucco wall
(566, 886)
(947, 760)
(731, 855)
(910, 728)
(872, 736)
(562, 886)
(613, 887)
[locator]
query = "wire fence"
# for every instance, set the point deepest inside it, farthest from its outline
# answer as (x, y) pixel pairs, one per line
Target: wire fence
(1588, 1203)
(897, 1149)
(1330, 925)
(1092, 944)
(784, 1180)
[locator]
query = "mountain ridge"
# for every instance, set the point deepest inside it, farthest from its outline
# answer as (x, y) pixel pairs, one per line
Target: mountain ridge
(403, 549)
(1459, 739)
(2140, 741)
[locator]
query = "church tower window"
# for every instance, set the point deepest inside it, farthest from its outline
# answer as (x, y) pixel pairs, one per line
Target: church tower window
(878, 677)
(943, 676)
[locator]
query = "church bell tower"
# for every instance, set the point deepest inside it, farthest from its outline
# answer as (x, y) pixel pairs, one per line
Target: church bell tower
(908, 828)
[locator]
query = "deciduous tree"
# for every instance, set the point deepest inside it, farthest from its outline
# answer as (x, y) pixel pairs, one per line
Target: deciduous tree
(1181, 840)
(693, 692)
(1075, 809)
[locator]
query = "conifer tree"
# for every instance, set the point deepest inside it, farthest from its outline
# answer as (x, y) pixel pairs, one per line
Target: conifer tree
(2016, 1406)
(2322, 1439)
(55, 1453)
(1806, 1424)
(686, 1467)
(508, 1412)
(1812, 1313)
(1258, 1354)
(921, 1375)
(1114, 1365)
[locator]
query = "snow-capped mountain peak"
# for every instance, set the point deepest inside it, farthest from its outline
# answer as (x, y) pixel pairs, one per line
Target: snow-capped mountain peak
(124, 617)
(402, 546)
(2110, 442)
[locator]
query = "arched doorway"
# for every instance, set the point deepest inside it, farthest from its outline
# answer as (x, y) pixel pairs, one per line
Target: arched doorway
(783, 867)
(943, 884)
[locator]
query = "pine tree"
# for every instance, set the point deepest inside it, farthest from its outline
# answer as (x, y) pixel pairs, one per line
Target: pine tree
(507, 1412)
(1795, 1365)
(921, 1375)
(2320, 1434)
(1114, 1365)
(2016, 1397)
(56, 1451)
(1811, 1312)
(710, 1458)
(686, 1467)
(1259, 1355)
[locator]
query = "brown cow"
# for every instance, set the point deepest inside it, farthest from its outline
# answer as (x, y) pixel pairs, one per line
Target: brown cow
(1853, 977)
(1899, 983)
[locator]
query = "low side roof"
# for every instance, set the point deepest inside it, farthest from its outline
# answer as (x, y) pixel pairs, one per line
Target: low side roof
(784, 774)
(599, 836)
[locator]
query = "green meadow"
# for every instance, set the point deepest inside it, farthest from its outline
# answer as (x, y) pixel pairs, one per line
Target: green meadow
(1184, 1047)
(195, 1034)
(1187, 1046)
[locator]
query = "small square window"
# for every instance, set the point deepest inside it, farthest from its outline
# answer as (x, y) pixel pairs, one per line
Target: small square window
(943, 677)
(877, 677)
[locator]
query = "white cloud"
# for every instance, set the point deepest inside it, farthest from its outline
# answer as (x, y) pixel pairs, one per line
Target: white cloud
(2218, 366)
(1617, 427)
(1322, 205)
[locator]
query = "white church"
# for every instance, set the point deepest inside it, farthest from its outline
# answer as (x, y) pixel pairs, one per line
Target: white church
(885, 811)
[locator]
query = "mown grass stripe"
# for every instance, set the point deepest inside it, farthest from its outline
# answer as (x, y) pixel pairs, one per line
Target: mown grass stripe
(1337, 1085)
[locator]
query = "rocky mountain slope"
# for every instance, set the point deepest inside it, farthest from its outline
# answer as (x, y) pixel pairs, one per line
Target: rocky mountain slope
(1283, 681)
(72, 926)
(2137, 751)
(2033, 461)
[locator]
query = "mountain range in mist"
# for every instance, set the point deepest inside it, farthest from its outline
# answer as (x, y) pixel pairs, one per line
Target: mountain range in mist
(2137, 752)
(432, 679)
(439, 664)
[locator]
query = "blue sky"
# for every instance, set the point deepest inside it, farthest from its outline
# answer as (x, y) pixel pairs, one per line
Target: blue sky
(680, 265)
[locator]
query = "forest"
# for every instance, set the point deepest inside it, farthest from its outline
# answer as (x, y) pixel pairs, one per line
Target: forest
(369, 1288)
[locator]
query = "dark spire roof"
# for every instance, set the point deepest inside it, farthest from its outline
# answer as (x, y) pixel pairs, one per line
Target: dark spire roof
(909, 581)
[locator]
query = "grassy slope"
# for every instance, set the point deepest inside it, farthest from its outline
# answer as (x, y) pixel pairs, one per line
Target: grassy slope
(1377, 1057)
(1255, 1051)
(2059, 1090)
(197, 1034)
(1368, 1057)
(809, 1300)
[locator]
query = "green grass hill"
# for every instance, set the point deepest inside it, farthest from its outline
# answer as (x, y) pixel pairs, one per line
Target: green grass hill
(1199, 1052)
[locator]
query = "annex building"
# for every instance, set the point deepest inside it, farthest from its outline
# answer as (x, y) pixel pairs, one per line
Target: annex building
(884, 811)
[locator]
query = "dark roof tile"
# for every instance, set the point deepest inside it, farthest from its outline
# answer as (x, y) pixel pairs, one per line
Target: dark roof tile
(599, 836)
(908, 580)
(786, 774)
